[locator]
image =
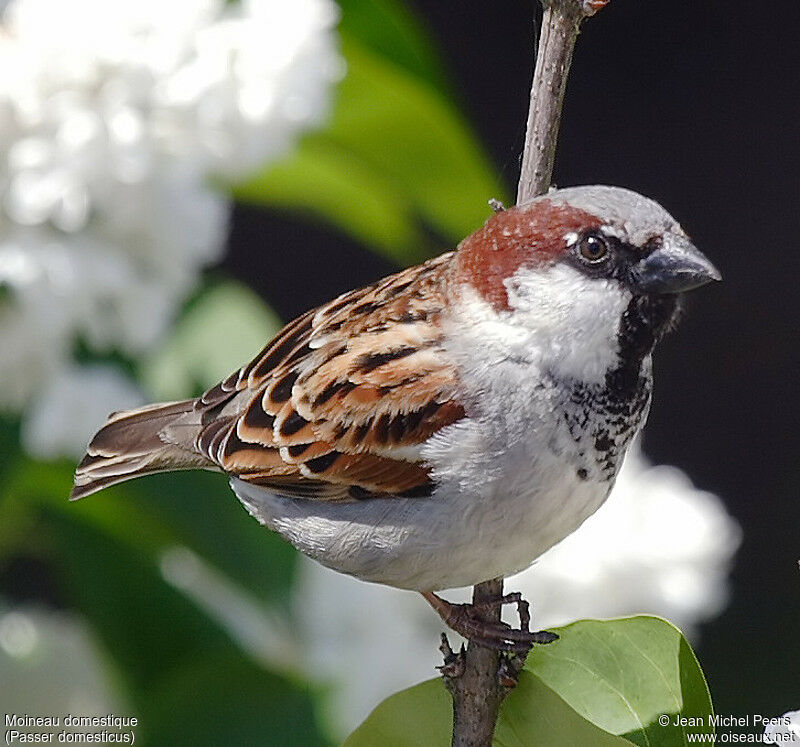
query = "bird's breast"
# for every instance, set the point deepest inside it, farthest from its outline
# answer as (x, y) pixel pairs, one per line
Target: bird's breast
(512, 480)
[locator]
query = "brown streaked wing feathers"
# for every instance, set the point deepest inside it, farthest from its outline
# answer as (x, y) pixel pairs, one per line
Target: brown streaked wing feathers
(322, 410)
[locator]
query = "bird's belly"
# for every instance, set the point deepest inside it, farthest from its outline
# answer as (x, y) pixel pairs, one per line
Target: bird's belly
(537, 509)
(454, 538)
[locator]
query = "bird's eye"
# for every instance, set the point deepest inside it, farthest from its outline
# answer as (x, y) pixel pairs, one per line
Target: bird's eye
(593, 248)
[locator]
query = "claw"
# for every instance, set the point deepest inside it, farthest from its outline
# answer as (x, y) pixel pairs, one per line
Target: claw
(543, 637)
(454, 663)
(498, 644)
(466, 620)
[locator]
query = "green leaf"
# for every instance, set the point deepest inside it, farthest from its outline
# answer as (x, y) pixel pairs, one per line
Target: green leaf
(534, 715)
(325, 179)
(420, 715)
(603, 683)
(415, 136)
(423, 715)
(622, 675)
(391, 30)
(225, 327)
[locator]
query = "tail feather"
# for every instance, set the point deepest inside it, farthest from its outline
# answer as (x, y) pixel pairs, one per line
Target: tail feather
(130, 445)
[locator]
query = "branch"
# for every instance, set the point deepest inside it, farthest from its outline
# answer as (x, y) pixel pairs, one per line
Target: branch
(560, 26)
(476, 684)
(476, 690)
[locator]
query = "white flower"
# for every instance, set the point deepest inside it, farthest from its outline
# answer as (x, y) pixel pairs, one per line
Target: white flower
(362, 641)
(113, 116)
(785, 732)
(657, 546)
(73, 405)
(116, 88)
(115, 283)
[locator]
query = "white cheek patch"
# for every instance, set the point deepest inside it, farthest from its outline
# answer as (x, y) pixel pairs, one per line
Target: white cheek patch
(572, 320)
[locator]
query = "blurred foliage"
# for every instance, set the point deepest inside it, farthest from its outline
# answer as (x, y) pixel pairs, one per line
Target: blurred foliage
(173, 660)
(422, 714)
(397, 160)
(603, 683)
(389, 29)
(224, 327)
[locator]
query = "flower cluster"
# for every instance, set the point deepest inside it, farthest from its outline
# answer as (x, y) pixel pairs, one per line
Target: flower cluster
(113, 117)
(658, 545)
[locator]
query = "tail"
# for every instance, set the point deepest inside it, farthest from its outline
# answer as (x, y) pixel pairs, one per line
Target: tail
(130, 445)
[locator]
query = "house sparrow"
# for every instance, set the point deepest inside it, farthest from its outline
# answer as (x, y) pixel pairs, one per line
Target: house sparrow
(449, 423)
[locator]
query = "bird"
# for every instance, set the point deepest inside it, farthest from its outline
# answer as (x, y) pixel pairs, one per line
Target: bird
(450, 423)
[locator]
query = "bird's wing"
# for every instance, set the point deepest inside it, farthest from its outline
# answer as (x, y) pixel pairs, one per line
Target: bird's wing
(338, 403)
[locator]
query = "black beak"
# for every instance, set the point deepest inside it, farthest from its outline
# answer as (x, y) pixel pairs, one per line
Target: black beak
(676, 266)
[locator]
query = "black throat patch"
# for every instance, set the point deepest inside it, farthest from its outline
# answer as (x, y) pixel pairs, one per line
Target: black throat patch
(603, 418)
(643, 323)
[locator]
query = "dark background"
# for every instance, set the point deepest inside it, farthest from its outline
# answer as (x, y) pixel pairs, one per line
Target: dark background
(696, 105)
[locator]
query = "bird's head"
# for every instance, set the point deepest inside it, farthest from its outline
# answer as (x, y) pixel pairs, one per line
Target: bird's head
(595, 272)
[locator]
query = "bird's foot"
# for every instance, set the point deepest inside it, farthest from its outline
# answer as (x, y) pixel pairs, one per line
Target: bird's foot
(508, 669)
(467, 621)
(454, 663)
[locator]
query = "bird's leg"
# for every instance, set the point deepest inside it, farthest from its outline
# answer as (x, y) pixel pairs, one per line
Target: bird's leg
(465, 619)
